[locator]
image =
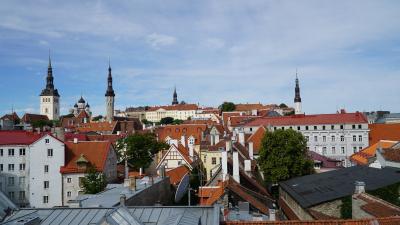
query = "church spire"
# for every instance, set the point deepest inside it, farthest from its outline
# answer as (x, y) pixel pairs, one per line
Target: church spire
(110, 90)
(49, 90)
(175, 97)
(297, 98)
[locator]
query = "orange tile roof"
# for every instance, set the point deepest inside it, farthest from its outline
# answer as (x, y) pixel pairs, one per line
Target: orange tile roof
(98, 126)
(94, 151)
(249, 107)
(383, 132)
(29, 118)
(176, 175)
(378, 207)
(362, 156)
(176, 131)
(175, 107)
(256, 138)
(209, 195)
(113, 138)
(17, 137)
(226, 115)
(380, 221)
(236, 120)
(391, 154)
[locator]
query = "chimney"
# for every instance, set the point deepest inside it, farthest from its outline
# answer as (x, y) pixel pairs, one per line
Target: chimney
(254, 112)
(183, 140)
(191, 149)
(162, 171)
(216, 138)
(251, 150)
(140, 171)
(75, 140)
(122, 200)
(247, 165)
(359, 187)
(271, 214)
(241, 137)
(236, 175)
(118, 132)
(228, 145)
(224, 165)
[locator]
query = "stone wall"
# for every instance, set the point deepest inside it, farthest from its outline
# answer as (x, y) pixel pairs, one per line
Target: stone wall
(331, 208)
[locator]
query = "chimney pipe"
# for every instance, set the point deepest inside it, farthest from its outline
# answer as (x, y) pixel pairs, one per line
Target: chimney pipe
(122, 200)
(241, 137)
(228, 145)
(236, 175)
(272, 216)
(251, 150)
(359, 187)
(224, 165)
(75, 140)
(183, 140)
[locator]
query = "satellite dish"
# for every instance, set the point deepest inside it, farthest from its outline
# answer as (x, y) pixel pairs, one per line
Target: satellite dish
(182, 188)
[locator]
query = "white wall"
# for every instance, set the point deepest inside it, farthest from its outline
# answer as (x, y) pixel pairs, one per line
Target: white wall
(72, 186)
(52, 104)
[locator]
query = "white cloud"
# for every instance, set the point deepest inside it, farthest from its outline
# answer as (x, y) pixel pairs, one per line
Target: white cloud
(160, 40)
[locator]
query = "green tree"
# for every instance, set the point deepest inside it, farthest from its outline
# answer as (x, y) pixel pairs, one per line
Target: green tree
(139, 149)
(97, 118)
(176, 121)
(167, 120)
(283, 155)
(42, 123)
(94, 181)
(145, 121)
(227, 107)
(283, 105)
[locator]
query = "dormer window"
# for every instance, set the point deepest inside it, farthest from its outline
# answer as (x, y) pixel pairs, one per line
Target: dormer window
(82, 162)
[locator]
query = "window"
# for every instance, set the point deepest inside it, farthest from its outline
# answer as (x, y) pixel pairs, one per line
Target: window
(315, 127)
(11, 195)
(354, 138)
(298, 128)
(49, 152)
(1, 167)
(343, 151)
(360, 148)
(22, 195)
(323, 150)
(45, 199)
(10, 167)
(205, 158)
(11, 181)
(283, 128)
(359, 126)
(341, 127)
(1, 152)
(342, 138)
(179, 162)
(333, 138)
(324, 138)
(22, 166)
(332, 127)
(306, 127)
(275, 128)
(46, 168)
(81, 179)
(333, 150)
(308, 148)
(21, 151)
(68, 194)
(21, 181)
(251, 129)
(354, 149)
(69, 180)
(315, 138)
(213, 160)
(360, 138)
(323, 127)
(353, 126)
(46, 184)
(11, 152)
(46, 140)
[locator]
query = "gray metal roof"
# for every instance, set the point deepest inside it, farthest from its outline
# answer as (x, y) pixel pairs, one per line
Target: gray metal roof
(151, 215)
(5, 205)
(323, 187)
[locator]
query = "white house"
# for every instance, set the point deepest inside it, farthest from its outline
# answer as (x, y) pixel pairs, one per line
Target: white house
(176, 156)
(29, 166)
(79, 156)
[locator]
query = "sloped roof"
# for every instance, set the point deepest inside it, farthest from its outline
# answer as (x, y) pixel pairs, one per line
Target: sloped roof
(97, 126)
(378, 207)
(383, 132)
(337, 118)
(380, 221)
(391, 154)
(113, 138)
(176, 131)
(94, 151)
(256, 138)
(361, 157)
(29, 118)
(15, 137)
(175, 175)
(12, 116)
(326, 162)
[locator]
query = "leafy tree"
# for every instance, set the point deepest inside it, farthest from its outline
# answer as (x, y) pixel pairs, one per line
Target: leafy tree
(140, 149)
(94, 181)
(97, 118)
(42, 123)
(289, 113)
(167, 120)
(227, 107)
(145, 121)
(283, 155)
(283, 105)
(176, 121)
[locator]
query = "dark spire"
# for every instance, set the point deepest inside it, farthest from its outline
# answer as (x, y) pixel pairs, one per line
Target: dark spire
(110, 90)
(297, 90)
(175, 97)
(49, 90)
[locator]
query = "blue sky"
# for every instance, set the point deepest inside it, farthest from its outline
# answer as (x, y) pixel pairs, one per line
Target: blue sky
(347, 52)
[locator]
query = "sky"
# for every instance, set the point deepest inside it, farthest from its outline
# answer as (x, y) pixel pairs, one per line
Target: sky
(346, 52)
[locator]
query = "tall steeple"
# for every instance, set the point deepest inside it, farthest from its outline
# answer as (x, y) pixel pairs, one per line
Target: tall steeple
(110, 95)
(297, 98)
(49, 97)
(175, 97)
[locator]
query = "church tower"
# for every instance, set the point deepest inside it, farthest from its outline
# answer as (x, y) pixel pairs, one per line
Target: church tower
(49, 97)
(297, 98)
(110, 97)
(175, 98)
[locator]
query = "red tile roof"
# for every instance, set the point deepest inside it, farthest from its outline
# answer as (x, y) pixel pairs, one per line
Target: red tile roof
(380, 221)
(176, 131)
(98, 127)
(236, 120)
(383, 132)
(29, 118)
(249, 107)
(113, 138)
(175, 107)
(94, 151)
(226, 115)
(378, 207)
(256, 138)
(391, 154)
(19, 137)
(175, 175)
(362, 157)
(12, 116)
(337, 118)
(209, 195)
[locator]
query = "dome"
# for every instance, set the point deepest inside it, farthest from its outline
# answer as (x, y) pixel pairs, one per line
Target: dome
(76, 105)
(87, 105)
(81, 100)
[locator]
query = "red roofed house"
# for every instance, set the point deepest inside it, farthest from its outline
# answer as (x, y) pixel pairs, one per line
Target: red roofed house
(79, 155)
(8, 121)
(336, 136)
(30, 168)
(176, 156)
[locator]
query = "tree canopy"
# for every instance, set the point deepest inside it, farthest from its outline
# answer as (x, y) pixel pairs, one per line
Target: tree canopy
(227, 106)
(283, 105)
(94, 181)
(283, 155)
(167, 120)
(140, 149)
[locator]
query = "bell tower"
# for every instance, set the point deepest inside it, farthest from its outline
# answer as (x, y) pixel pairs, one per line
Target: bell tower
(110, 95)
(49, 97)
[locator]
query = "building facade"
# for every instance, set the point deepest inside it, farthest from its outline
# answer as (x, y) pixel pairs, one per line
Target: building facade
(49, 97)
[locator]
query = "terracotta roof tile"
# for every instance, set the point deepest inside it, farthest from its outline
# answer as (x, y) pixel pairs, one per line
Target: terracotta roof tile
(383, 132)
(176, 131)
(209, 195)
(256, 138)
(391, 154)
(176, 175)
(94, 151)
(362, 156)
(98, 127)
(249, 107)
(19, 137)
(29, 118)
